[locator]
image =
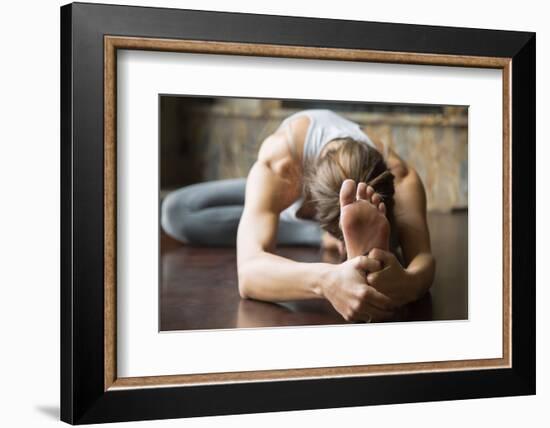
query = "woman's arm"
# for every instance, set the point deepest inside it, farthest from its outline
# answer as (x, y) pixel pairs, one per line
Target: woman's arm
(262, 274)
(271, 187)
(413, 232)
(410, 282)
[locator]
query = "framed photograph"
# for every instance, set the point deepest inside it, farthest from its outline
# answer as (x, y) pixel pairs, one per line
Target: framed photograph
(266, 213)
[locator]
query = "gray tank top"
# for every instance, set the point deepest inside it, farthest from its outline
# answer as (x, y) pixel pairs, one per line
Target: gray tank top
(324, 126)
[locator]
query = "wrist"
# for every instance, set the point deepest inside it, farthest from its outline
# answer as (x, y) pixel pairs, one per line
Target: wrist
(326, 273)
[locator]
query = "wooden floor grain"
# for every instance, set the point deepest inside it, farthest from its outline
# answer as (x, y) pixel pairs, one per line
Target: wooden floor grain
(199, 286)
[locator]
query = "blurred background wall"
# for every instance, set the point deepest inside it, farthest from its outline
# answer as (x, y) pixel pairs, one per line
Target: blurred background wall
(213, 138)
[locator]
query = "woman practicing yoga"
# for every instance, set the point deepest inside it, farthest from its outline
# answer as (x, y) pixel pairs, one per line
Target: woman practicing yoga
(318, 180)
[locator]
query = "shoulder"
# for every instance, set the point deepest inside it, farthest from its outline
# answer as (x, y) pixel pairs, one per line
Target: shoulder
(277, 154)
(398, 167)
(274, 181)
(300, 119)
(298, 126)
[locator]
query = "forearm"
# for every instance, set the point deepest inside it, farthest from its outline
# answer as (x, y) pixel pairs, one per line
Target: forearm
(269, 277)
(420, 271)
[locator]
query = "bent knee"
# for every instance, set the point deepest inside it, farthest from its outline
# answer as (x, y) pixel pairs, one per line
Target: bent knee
(172, 217)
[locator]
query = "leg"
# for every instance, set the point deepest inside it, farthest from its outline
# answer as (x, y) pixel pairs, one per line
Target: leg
(363, 219)
(299, 232)
(213, 227)
(205, 213)
(209, 214)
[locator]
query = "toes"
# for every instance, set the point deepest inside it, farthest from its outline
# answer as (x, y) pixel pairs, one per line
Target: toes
(347, 192)
(370, 192)
(362, 191)
(382, 208)
(376, 199)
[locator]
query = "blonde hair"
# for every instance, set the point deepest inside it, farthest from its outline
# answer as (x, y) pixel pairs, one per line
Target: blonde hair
(350, 160)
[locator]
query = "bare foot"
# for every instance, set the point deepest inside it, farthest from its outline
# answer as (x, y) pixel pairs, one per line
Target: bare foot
(363, 219)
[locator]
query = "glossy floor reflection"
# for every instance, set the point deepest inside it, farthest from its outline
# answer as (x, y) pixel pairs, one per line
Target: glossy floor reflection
(199, 286)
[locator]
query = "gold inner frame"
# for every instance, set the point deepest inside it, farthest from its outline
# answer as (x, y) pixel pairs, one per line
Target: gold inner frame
(112, 43)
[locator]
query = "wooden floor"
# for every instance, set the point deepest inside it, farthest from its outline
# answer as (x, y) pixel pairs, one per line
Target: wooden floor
(199, 286)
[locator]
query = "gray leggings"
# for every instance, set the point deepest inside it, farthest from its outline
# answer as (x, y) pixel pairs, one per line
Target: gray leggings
(208, 214)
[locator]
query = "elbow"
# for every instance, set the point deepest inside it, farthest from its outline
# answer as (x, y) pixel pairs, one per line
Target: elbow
(249, 277)
(425, 278)
(249, 269)
(243, 290)
(244, 282)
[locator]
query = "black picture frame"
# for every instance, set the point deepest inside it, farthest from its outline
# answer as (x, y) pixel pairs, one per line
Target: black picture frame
(83, 396)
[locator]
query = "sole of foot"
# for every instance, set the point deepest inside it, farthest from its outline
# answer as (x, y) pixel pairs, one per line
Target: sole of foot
(362, 219)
